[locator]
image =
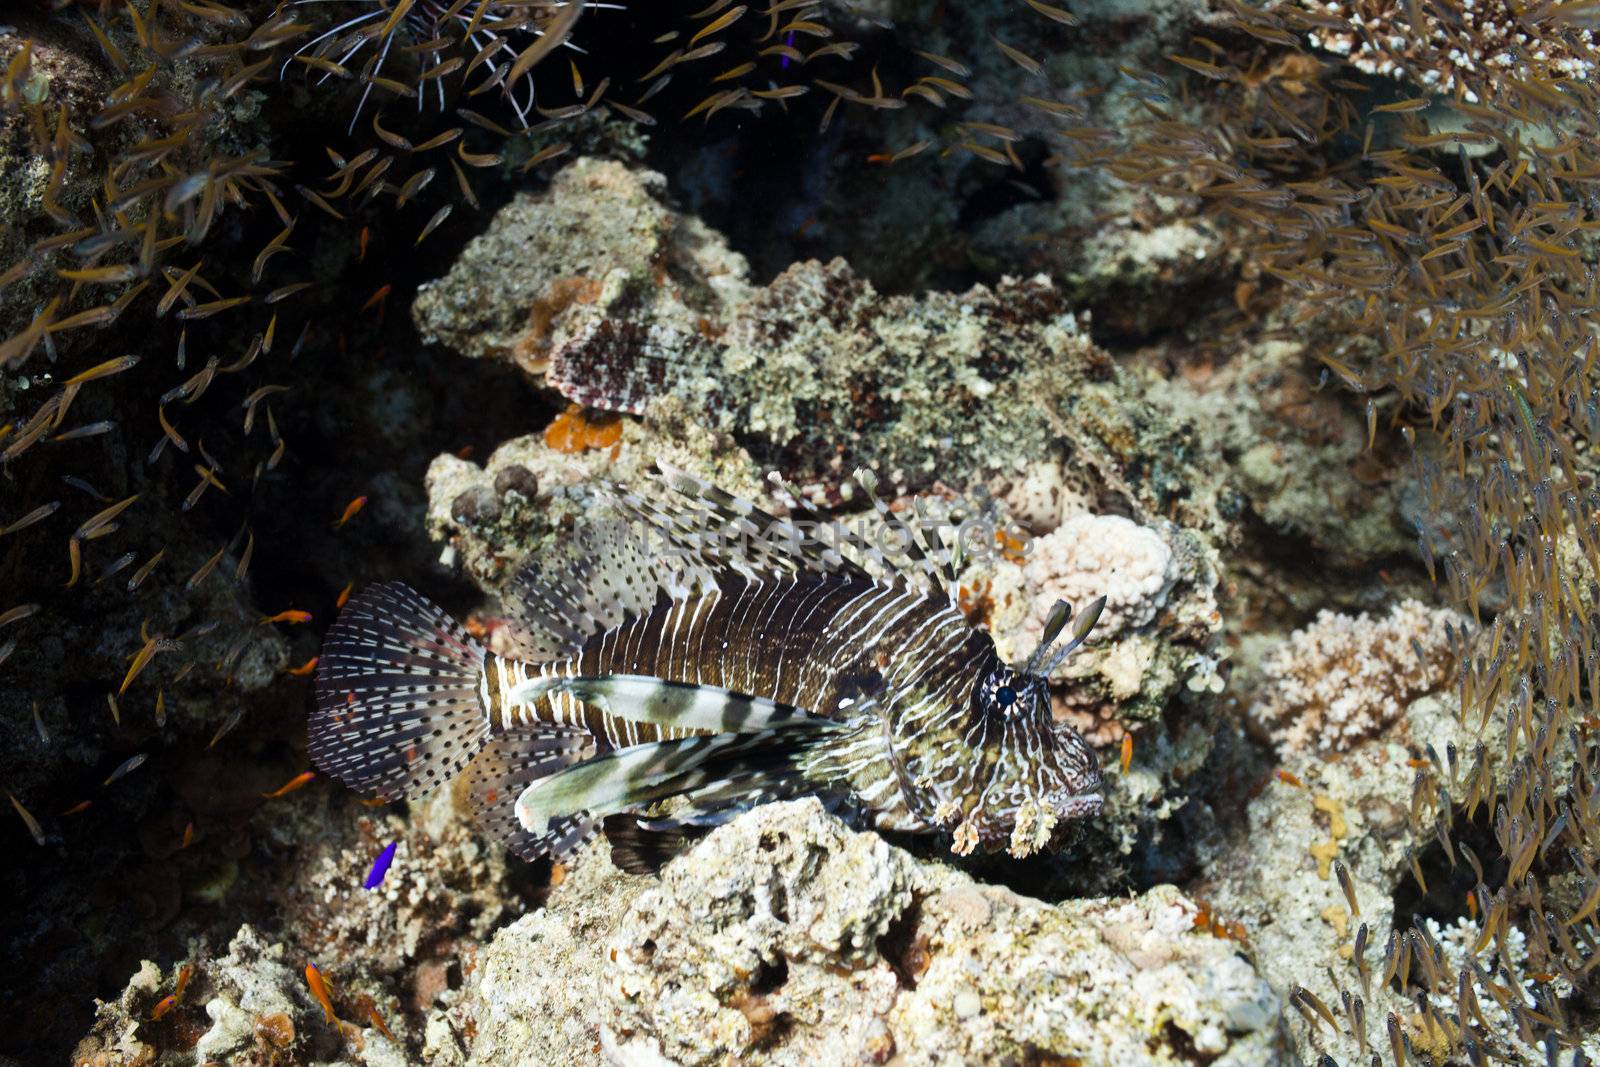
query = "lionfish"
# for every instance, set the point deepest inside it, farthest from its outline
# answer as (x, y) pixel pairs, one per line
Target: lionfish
(720, 672)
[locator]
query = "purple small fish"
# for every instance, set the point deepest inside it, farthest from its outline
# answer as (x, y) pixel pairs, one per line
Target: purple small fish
(788, 40)
(380, 866)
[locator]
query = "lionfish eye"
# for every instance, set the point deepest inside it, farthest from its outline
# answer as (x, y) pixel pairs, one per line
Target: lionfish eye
(1006, 696)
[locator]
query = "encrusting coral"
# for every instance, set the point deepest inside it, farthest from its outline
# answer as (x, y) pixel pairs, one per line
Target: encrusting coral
(1100, 555)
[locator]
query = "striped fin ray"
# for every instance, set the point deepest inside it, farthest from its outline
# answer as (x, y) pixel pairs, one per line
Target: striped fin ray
(643, 845)
(927, 555)
(511, 762)
(598, 577)
(755, 543)
(646, 699)
(633, 778)
(728, 531)
(397, 695)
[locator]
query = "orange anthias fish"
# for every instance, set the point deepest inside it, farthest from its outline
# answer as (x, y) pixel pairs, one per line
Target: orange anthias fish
(319, 989)
(297, 782)
(351, 510)
(293, 615)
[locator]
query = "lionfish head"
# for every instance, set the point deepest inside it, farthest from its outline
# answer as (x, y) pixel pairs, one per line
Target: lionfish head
(1042, 773)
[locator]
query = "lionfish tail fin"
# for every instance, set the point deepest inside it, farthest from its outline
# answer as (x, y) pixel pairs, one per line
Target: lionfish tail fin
(397, 695)
(510, 763)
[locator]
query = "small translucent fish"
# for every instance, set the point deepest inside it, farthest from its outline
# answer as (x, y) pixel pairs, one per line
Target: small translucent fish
(161, 707)
(38, 514)
(141, 659)
(38, 725)
(104, 370)
(227, 726)
(292, 615)
(297, 782)
(319, 989)
(351, 510)
(144, 572)
(305, 668)
(1127, 752)
(434, 223)
(126, 767)
(380, 866)
(92, 429)
(18, 613)
(78, 809)
(1019, 57)
(188, 836)
(1061, 15)
(116, 709)
(28, 820)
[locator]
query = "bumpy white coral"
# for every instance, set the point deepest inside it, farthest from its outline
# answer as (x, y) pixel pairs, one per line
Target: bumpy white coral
(1347, 677)
(1475, 45)
(1089, 556)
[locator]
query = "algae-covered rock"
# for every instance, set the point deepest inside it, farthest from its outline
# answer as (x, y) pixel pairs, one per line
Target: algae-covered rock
(816, 373)
(785, 938)
(601, 237)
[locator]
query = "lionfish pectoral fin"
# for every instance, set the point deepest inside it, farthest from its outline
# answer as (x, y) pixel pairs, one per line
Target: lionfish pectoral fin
(640, 698)
(633, 778)
(509, 764)
(397, 695)
(641, 847)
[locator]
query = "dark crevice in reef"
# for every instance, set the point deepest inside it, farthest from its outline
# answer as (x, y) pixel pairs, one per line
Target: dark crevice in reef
(1449, 883)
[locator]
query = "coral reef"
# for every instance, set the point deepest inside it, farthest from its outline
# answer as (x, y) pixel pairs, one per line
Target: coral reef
(599, 238)
(1297, 453)
(1441, 47)
(386, 955)
(834, 947)
(1355, 819)
(956, 395)
(1260, 319)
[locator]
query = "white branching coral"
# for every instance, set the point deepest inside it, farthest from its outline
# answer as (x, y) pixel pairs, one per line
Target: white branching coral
(1089, 556)
(1469, 43)
(1346, 677)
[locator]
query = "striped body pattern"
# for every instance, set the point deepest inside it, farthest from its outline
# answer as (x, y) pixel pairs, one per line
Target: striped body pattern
(653, 663)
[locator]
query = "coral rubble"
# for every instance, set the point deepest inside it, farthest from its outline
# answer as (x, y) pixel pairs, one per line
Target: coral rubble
(834, 947)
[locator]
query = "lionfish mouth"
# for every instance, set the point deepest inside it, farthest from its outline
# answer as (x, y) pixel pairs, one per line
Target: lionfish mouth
(1081, 806)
